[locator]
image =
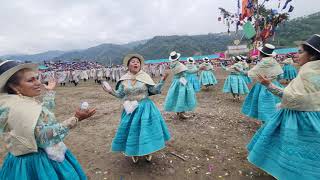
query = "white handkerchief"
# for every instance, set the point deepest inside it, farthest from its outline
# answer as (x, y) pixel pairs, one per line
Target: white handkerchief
(183, 81)
(56, 152)
(106, 85)
(130, 106)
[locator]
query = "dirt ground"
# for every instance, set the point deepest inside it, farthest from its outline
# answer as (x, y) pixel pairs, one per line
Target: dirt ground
(210, 145)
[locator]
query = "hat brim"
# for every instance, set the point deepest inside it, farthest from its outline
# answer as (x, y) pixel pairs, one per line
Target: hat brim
(130, 56)
(273, 53)
(178, 56)
(6, 75)
(306, 43)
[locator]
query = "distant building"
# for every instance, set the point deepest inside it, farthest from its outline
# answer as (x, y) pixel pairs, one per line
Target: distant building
(237, 50)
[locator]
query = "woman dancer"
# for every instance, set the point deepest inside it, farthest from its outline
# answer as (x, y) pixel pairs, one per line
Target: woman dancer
(181, 96)
(287, 146)
(33, 136)
(260, 103)
(235, 83)
(142, 130)
(246, 68)
(192, 74)
(289, 70)
(207, 78)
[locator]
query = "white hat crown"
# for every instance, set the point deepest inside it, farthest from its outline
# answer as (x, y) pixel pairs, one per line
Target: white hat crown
(174, 56)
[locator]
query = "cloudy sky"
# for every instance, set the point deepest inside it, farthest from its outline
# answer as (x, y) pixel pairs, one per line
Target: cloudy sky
(33, 26)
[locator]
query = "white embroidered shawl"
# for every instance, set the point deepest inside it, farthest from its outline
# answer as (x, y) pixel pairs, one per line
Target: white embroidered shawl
(268, 67)
(177, 67)
(140, 76)
(303, 92)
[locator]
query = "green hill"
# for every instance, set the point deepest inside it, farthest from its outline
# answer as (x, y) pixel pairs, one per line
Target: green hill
(298, 29)
(35, 57)
(161, 46)
(103, 53)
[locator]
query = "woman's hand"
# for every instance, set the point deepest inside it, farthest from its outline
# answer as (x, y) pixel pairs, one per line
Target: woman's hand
(110, 91)
(84, 114)
(165, 76)
(263, 80)
(51, 84)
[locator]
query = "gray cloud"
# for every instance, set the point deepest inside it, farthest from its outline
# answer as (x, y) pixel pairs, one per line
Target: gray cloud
(30, 26)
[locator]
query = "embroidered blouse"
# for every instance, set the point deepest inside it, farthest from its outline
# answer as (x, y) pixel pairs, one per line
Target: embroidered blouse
(138, 91)
(234, 69)
(276, 90)
(207, 66)
(192, 68)
(48, 130)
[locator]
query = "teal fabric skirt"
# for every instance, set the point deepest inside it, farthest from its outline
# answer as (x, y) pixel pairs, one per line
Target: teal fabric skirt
(288, 146)
(142, 132)
(207, 78)
(193, 79)
(289, 72)
(235, 84)
(37, 166)
(260, 103)
(180, 98)
(246, 78)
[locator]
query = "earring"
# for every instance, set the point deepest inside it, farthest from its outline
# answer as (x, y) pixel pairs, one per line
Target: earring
(18, 93)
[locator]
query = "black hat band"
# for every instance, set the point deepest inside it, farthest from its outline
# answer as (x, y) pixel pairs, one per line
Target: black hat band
(174, 57)
(7, 65)
(266, 50)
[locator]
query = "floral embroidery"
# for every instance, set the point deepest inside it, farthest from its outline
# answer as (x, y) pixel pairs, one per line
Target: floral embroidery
(3, 118)
(278, 91)
(138, 91)
(315, 80)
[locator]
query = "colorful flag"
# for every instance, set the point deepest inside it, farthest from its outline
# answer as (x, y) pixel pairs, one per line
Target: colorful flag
(249, 31)
(291, 9)
(286, 4)
(247, 8)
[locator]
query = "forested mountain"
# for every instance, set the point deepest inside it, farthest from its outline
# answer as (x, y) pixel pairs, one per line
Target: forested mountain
(35, 57)
(298, 29)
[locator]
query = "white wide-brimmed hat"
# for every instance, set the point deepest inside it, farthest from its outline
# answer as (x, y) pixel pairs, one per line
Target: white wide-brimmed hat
(206, 59)
(174, 56)
(8, 68)
(268, 49)
(190, 60)
(130, 56)
(243, 57)
(238, 58)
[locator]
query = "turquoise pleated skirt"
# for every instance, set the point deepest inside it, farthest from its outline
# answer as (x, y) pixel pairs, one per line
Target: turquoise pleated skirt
(288, 146)
(235, 84)
(180, 98)
(246, 78)
(193, 79)
(207, 78)
(142, 132)
(260, 103)
(37, 166)
(289, 72)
